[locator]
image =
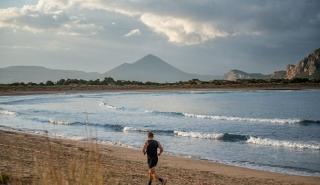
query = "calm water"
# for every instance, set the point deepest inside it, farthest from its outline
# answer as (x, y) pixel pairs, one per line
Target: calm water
(270, 130)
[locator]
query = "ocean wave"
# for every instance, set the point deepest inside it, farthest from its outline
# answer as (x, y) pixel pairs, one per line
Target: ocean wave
(164, 113)
(236, 118)
(247, 119)
(132, 129)
(214, 136)
(7, 112)
(75, 138)
(110, 106)
(250, 139)
(114, 127)
(59, 122)
(283, 143)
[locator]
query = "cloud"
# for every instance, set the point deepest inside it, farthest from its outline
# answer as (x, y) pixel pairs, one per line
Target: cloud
(47, 16)
(29, 47)
(134, 32)
(52, 15)
(178, 30)
(181, 31)
(188, 23)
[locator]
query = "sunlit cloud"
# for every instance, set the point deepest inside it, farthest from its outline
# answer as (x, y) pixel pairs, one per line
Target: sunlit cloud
(182, 31)
(134, 32)
(55, 16)
(47, 16)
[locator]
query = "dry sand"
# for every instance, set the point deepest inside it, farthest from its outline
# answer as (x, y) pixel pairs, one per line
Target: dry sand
(127, 166)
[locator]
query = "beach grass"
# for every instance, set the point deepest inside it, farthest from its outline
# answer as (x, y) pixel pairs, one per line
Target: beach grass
(51, 165)
(82, 169)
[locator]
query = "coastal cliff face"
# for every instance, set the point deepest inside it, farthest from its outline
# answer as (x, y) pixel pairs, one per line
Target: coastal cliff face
(309, 67)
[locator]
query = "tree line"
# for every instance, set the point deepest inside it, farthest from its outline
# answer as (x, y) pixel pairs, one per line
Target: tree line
(112, 82)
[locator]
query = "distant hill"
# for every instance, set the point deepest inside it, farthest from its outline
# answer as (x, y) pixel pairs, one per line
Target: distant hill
(153, 68)
(309, 67)
(237, 74)
(41, 74)
(149, 68)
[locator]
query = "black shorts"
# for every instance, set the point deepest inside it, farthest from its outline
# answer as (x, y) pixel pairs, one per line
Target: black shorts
(152, 162)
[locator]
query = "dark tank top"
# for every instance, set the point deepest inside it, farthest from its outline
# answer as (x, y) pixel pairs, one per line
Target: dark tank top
(152, 148)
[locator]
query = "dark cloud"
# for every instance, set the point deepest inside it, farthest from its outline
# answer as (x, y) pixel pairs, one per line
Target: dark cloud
(203, 36)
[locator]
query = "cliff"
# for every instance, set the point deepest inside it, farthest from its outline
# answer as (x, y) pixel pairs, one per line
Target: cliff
(309, 67)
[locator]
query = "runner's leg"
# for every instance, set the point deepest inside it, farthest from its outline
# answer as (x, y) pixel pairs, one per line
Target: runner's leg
(150, 177)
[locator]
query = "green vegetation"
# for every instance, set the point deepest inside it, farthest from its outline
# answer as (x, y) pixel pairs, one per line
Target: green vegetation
(108, 81)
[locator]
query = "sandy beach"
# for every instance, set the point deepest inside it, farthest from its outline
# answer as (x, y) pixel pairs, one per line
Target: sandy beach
(21, 155)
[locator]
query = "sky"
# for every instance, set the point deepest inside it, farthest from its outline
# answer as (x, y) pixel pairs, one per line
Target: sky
(197, 36)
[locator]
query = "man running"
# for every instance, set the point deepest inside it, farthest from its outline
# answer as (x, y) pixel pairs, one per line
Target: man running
(151, 149)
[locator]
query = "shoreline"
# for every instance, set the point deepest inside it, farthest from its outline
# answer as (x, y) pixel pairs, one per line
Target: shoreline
(80, 139)
(194, 169)
(23, 92)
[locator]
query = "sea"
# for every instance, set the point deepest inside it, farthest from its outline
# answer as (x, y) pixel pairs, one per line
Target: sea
(271, 130)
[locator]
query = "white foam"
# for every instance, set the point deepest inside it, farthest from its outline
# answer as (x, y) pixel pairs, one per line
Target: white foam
(74, 138)
(7, 112)
(130, 129)
(199, 135)
(247, 119)
(119, 143)
(109, 106)
(58, 122)
(283, 143)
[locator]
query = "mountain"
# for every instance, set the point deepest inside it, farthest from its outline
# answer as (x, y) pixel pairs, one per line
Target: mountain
(41, 74)
(309, 67)
(148, 68)
(237, 74)
(152, 68)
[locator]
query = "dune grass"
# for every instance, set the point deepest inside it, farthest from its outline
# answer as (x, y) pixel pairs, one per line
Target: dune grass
(84, 168)
(54, 165)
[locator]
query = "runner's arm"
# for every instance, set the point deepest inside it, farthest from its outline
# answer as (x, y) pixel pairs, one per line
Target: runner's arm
(144, 150)
(161, 148)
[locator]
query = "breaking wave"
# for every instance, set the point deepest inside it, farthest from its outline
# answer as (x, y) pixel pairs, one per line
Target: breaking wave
(237, 119)
(59, 122)
(7, 112)
(283, 143)
(250, 139)
(214, 136)
(165, 113)
(132, 129)
(110, 106)
(247, 119)
(114, 127)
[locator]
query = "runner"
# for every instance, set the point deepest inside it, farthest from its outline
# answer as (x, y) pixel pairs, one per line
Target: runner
(151, 149)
